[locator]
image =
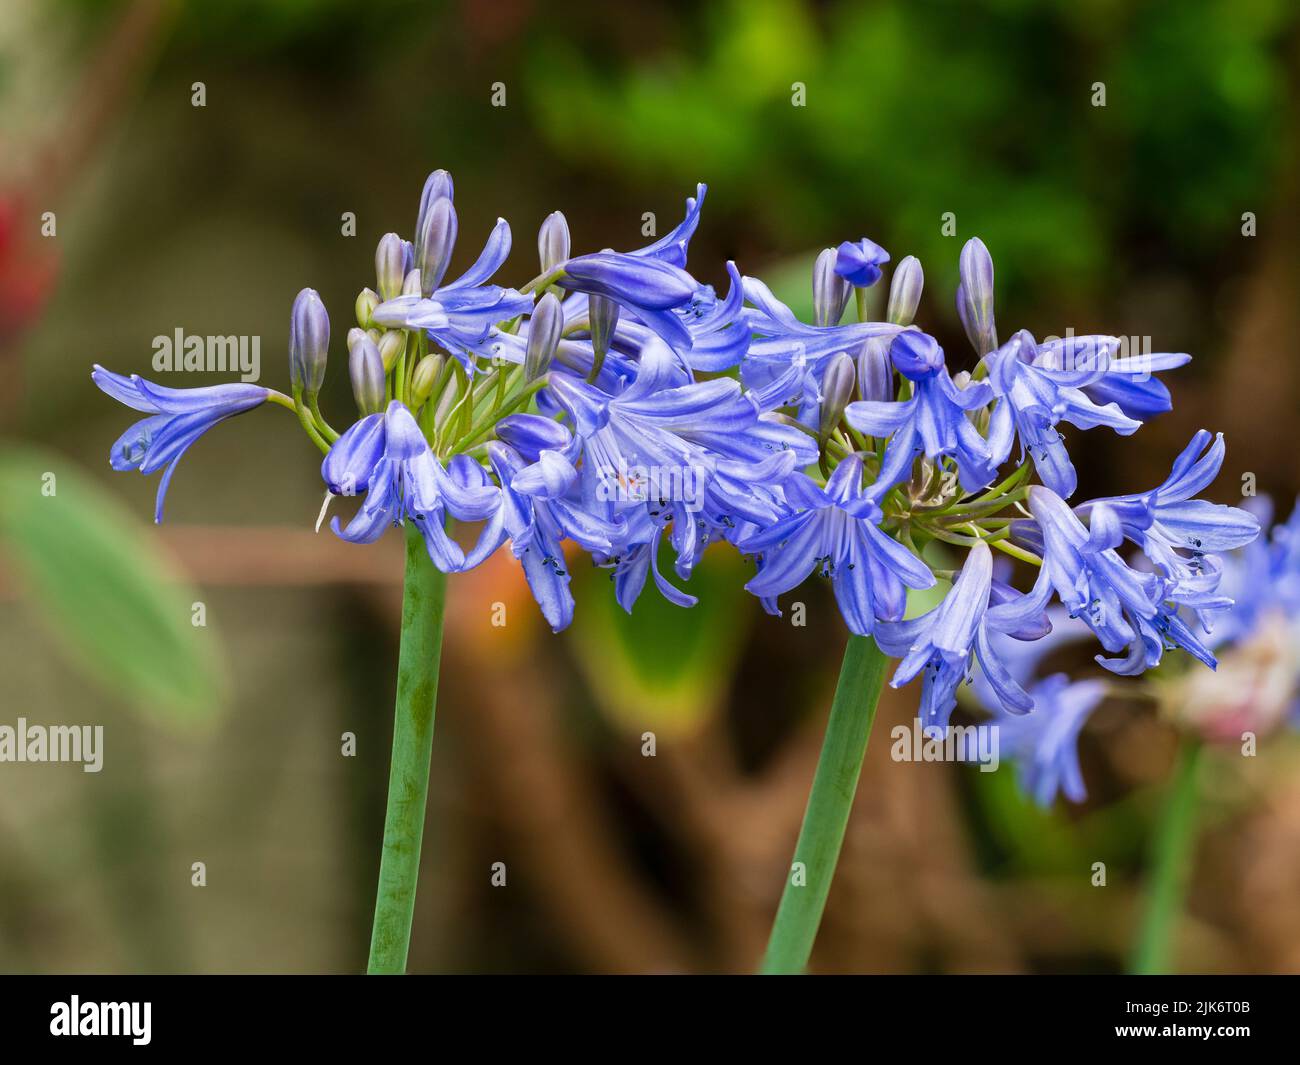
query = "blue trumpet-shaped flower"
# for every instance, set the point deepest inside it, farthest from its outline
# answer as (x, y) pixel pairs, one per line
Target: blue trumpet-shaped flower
(944, 641)
(537, 510)
(1125, 608)
(387, 456)
(1175, 530)
(838, 530)
(719, 338)
(650, 288)
(1032, 401)
(462, 315)
(178, 417)
(1044, 744)
(1106, 377)
(933, 421)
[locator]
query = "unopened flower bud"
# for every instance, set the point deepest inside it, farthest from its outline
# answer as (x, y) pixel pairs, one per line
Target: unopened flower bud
(975, 296)
(391, 265)
(837, 390)
(544, 330)
(905, 291)
(830, 291)
(916, 355)
(426, 374)
(434, 243)
(309, 341)
(437, 186)
(411, 286)
(553, 241)
(367, 301)
(366, 368)
(391, 345)
(602, 314)
(875, 371)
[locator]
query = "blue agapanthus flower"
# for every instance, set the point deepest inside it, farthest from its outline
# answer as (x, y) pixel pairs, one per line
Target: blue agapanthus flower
(837, 532)
(462, 315)
(943, 642)
(1033, 400)
(933, 422)
(404, 481)
(177, 418)
(1175, 530)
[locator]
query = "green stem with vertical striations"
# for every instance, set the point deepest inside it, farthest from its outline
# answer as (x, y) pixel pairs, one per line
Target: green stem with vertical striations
(1170, 865)
(852, 712)
(423, 602)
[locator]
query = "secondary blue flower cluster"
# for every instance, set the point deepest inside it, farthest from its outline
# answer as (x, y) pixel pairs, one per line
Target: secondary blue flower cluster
(617, 406)
(1256, 689)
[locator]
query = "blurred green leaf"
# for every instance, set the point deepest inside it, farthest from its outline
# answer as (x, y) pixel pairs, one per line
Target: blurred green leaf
(94, 571)
(664, 668)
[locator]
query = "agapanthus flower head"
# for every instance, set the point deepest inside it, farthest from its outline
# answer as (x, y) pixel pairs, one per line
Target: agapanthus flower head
(615, 406)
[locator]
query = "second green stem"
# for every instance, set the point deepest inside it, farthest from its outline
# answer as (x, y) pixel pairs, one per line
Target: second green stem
(1170, 864)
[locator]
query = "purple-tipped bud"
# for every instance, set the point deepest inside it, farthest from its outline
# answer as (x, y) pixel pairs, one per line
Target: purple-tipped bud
(859, 262)
(366, 368)
(367, 301)
(427, 372)
(553, 241)
(390, 265)
(434, 243)
(905, 291)
(830, 291)
(975, 296)
(602, 313)
(437, 186)
(391, 345)
(917, 355)
(544, 330)
(875, 371)
(837, 390)
(309, 341)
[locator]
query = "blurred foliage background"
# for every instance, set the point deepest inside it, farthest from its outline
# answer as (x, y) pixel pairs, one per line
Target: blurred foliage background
(1125, 218)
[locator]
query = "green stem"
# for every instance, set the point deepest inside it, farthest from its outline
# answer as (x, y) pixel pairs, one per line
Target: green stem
(1170, 864)
(852, 712)
(408, 778)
